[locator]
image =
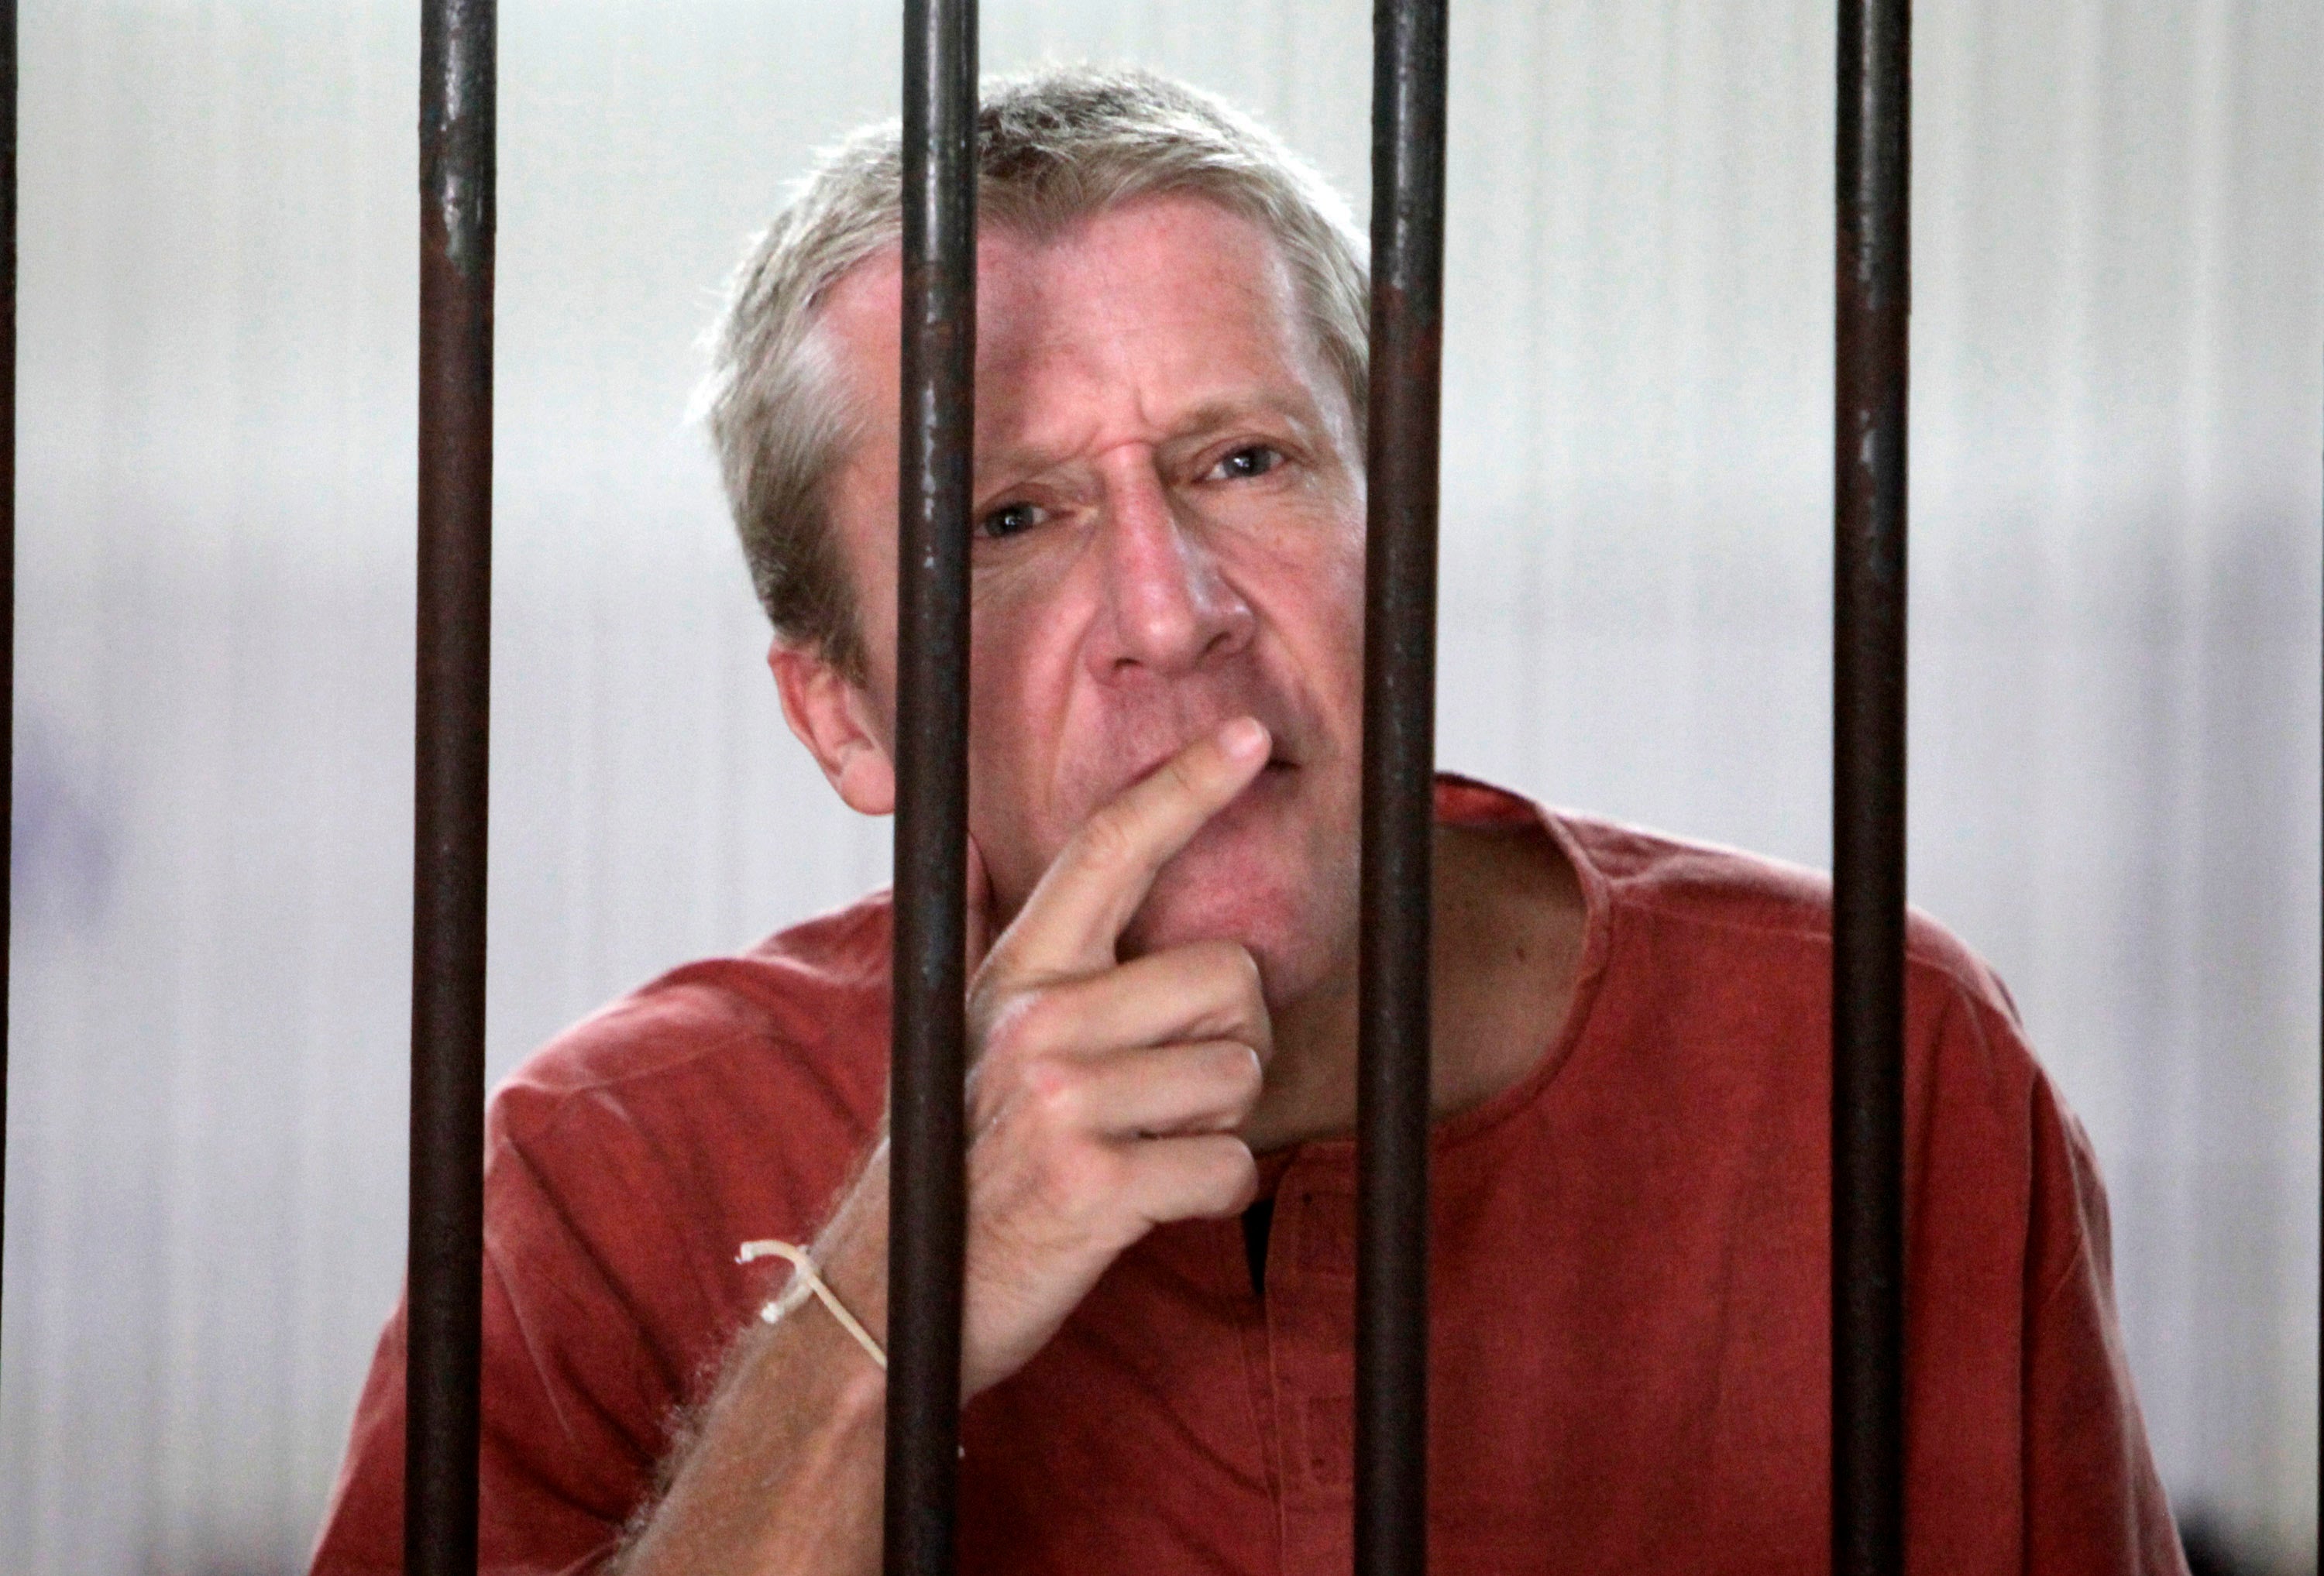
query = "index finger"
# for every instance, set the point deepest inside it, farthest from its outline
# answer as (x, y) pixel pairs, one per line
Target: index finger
(1086, 897)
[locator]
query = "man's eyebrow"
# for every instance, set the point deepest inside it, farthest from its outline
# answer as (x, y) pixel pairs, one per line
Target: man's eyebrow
(1213, 414)
(1197, 422)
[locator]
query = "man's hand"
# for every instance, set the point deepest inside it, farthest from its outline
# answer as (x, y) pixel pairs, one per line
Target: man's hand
(1104, 1096)
(1104, 1101)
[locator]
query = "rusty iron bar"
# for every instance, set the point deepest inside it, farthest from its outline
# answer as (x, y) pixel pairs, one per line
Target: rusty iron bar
(927, 1180)
(1393, 1088)
(7, 543)
(451, 745)
(1872, 314)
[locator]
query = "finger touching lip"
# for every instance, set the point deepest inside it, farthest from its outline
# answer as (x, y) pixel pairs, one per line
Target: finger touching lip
(1084, 899)
(1277, 759)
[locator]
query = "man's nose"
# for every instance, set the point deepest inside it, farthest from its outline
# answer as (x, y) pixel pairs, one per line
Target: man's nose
(1169, 608)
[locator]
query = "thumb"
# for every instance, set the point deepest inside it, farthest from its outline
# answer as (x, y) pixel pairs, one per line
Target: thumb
(978, 908)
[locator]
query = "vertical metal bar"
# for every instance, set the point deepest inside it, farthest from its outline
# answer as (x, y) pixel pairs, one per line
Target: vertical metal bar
(1392, 1119)
(927, 1182)
(451, 747)
(1872, 314)
(7, 544)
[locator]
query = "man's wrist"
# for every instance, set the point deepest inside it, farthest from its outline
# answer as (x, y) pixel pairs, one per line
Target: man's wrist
(851, 1252)
(811, 1365)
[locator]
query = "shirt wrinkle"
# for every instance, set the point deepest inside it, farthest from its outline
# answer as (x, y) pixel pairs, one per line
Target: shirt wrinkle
(537, 1348)
(549, 1393)
(2080, 1259)
(559, 1099)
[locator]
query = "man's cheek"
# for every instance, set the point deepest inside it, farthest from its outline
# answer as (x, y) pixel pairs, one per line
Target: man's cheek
(1016, 851)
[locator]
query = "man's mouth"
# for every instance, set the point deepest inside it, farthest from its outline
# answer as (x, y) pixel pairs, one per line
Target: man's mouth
(1274, 778)
(1278, 765)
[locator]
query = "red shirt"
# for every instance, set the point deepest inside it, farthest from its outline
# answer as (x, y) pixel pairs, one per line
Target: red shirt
(1630, 1355)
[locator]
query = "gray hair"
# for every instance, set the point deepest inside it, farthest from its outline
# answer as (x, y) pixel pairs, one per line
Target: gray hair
(1054, 148)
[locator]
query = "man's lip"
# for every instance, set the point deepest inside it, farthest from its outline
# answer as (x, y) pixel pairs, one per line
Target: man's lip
(1274, 763)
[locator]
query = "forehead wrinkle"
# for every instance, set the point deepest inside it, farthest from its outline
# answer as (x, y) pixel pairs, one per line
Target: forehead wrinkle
(1100, 344)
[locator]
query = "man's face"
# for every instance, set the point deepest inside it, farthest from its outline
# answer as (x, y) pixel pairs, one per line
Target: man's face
(1170, 533)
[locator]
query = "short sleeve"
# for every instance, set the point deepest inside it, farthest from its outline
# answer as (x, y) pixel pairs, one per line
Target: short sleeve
(574, 1406)
(2093, 1504)
(625, 1163)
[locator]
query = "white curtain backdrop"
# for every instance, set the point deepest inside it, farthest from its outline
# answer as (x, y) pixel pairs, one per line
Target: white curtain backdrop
(2118, 344)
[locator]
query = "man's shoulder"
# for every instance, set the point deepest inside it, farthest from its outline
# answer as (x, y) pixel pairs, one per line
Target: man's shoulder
(803, 1012)
(1749, 902)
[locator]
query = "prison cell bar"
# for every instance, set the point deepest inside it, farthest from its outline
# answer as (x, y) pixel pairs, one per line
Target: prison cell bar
(927, 1180)
(1872, 307)
(1393, 1084)
(7, 544)
(452, 720)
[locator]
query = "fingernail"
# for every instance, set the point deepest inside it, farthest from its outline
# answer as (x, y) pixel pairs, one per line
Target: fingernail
(1243, 738)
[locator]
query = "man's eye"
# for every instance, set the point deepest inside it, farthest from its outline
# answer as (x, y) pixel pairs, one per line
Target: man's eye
(1254, 461)
(1010, 519)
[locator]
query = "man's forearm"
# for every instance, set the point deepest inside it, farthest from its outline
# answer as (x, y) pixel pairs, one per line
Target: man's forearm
(783, 1472)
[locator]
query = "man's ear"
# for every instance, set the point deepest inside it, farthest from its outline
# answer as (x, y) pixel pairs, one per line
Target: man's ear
(834, 718)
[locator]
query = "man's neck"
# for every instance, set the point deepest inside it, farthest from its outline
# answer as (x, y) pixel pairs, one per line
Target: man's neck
(1509, 929)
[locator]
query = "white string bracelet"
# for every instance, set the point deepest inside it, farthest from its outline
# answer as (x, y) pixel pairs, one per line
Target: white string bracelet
(805, 1282)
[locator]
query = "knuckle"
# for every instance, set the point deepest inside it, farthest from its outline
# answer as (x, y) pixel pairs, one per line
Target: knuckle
(996, 1052)
(1108, 841)
(984, 1099)
(1073, 1177)
(1051, 1091)
(1216, 957)
(1037, 1022)
(1180, 774)
(1241, 1001)
(1021, 1027)
(988, 998)
(1241, 1072)
(1234, 1174)
(1235, 971)
(1246, 968)
(1242, 1166)
(1236, 959)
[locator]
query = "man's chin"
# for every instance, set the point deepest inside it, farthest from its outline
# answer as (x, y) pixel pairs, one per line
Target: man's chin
(1289, 934)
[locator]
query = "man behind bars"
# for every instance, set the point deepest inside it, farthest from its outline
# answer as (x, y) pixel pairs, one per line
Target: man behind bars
(1630, 1334)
